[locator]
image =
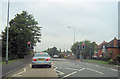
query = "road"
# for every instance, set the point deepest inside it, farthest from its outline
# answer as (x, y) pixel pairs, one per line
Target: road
(28, 71)
(71, 68)
(65, 68)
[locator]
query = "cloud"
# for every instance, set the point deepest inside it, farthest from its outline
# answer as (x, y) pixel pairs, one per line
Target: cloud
(95, 21)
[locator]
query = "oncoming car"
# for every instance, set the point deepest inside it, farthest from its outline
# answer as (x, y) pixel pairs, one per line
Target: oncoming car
(55, 56)
(41, 59)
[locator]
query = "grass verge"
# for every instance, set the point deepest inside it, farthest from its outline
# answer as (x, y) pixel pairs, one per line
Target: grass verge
(11, 61)
(97, 61)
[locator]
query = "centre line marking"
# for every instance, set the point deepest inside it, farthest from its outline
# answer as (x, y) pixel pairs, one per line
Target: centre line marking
(70, 74)
(81, 69)
(95, 71)
(71, 69)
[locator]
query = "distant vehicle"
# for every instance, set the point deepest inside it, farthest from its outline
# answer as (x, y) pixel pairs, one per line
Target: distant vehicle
(55, 56)
(41, 59)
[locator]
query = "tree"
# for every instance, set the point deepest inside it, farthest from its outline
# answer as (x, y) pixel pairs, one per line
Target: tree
(23, 28)
(87, 52)
(52, 51)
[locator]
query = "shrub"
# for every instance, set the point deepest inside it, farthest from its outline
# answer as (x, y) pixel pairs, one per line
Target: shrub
(101, 58)
(118, 58)
(112, 62)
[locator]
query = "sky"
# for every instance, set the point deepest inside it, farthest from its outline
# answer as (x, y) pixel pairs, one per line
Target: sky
(94, 20)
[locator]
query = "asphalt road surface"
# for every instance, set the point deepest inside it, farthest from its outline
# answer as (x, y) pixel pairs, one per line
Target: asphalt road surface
(64, 68)
(71, 68)
(28, 71)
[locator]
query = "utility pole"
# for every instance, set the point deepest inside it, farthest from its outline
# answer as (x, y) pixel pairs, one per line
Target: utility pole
(73, 28)
(7, 33)
(73, 31)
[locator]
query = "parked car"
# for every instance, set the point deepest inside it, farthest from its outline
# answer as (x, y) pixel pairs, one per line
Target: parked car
(55, 56)
(41, 59)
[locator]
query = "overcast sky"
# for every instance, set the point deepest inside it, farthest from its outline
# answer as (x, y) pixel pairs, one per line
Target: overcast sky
(96, 21)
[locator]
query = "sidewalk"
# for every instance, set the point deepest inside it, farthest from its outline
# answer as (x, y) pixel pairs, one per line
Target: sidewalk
(9, 68)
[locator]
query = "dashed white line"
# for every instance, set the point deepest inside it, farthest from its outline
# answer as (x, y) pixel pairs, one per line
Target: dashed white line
(71, 69)
(73, 64)
(59, 72)
(95, 71)
(70, 74)
(97, 66)
(81, 69)
(114, 69)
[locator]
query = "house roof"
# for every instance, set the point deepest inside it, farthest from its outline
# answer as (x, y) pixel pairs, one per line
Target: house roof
(118, 43)
(102, 44)
(111, 44)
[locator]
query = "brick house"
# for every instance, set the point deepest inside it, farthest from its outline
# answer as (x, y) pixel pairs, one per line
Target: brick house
(112, 46)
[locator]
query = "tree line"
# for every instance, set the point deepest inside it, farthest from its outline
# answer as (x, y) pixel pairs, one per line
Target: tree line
(87, 52)
(23, 28)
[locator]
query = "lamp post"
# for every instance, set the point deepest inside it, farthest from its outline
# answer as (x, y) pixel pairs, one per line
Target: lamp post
(73, 32)
(7, 33)
(74, 38)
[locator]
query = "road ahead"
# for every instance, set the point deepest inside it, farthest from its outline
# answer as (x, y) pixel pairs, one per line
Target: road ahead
(71, 68)
(64, 68)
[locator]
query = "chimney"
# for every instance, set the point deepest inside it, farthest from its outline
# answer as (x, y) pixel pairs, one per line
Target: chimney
(115, 42)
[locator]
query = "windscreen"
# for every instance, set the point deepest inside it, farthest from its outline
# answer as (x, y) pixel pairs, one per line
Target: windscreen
(41, 55)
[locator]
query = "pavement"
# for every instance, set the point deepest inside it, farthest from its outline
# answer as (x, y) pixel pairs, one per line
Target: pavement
(12, 67)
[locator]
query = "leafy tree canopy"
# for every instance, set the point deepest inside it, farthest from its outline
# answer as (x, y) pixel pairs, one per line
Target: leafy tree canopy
(23, 28)
(90, 47)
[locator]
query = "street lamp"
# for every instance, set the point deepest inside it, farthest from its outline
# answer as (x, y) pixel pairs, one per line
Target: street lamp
(73, 32)
(74, 37)
(7, 32)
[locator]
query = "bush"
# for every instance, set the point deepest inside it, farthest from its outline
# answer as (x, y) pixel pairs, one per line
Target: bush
(61, 56)
(101, 58)
(112, 62)
(118, 58)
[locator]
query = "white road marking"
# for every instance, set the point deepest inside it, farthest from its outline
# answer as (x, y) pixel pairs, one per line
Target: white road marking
(69, 74)
(114, 69)
(71, 69)
(95, 71)
(55, 68)
(81, 69)
(97, 66)
(73, 64)
(30, 65)
(15, 69)
(18, 74)
(59, 72)
(79, 65)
